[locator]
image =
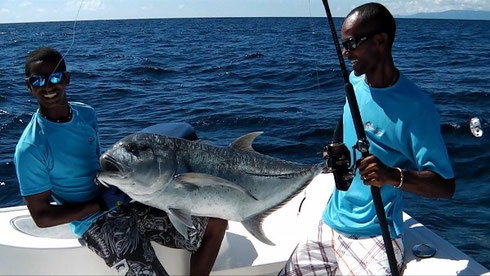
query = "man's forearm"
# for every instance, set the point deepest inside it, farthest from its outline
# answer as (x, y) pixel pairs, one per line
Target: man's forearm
(60, 214)
(424, 183)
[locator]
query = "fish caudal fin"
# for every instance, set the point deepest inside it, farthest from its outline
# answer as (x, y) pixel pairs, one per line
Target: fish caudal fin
(254, 226)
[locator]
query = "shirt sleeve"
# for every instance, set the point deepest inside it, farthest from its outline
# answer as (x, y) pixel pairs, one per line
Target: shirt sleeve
(428, 147)
(32, 171)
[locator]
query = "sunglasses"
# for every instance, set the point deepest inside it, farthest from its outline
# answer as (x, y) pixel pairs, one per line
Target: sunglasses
(39, 80)
(352, 43)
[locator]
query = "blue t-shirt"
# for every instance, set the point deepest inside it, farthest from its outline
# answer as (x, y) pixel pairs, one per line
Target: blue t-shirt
(402, 126)
(62, 158)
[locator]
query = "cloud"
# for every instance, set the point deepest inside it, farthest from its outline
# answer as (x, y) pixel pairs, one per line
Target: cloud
(5, 10)
(24, 4)
(87, 5)
(93, 5)
(416, 6)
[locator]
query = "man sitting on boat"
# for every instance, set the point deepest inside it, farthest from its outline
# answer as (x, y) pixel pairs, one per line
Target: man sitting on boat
(57, 158)
(407, 154)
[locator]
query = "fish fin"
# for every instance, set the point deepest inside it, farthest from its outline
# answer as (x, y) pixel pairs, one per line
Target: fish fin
(179, 226)
(190, 187)
(254, 226)
(196, 180)
(245, 142)
(207, 142)
(182, 217)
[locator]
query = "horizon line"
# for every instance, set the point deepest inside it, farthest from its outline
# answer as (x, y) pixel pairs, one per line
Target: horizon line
(415, 16)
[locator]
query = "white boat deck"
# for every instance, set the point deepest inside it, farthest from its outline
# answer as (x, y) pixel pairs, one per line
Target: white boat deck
(55, 251)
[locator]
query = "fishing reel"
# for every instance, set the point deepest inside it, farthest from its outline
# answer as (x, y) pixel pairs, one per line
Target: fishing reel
(339, 163)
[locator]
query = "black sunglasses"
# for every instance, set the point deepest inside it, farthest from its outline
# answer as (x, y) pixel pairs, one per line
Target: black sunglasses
(39, 80)
(352, 43)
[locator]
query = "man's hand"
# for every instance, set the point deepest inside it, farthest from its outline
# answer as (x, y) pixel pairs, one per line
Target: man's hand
(374, 172)
(112, 197)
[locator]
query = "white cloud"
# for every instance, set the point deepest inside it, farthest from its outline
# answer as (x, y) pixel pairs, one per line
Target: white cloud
(24, 4)
(87, 5)
(416, 6)
(93, 5)
(5, 10)
(181, 6)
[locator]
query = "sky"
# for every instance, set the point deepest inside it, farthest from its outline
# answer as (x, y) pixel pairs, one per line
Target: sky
(66, 10)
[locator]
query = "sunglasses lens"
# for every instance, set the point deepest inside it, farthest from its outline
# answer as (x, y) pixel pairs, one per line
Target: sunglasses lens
(37, 81)
(347, 44)
(56, 78)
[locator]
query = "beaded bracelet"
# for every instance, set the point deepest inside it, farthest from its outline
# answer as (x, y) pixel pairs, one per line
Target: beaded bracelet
(401, 178)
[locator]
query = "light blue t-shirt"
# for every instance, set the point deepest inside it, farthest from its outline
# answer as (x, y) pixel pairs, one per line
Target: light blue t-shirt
(402, 126)
(63, 158)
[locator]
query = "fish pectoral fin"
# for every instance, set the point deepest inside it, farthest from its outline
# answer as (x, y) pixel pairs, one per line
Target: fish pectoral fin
(196, 180)
(181, 218)
(179, 226)
(245, 142)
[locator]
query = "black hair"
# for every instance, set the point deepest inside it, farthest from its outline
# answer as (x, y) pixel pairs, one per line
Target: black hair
(45, 54)
(377, 18)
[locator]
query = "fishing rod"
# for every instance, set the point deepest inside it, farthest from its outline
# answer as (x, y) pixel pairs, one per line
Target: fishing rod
(362, 145)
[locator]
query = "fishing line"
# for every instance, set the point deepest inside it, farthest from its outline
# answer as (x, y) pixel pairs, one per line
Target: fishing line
(315, 61)
(71, 45)
(73, 37)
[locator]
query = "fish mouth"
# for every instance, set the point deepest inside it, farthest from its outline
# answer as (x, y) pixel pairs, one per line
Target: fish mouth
(110, 164)
(100, 182)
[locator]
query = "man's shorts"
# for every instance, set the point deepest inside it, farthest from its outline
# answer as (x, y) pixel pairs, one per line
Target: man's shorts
(122, 238)
(327, 252)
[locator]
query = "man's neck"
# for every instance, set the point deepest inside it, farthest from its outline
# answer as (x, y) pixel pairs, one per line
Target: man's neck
(383, 76)
(59, 114)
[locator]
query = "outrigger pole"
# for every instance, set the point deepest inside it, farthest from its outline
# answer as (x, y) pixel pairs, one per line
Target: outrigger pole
(363, 145)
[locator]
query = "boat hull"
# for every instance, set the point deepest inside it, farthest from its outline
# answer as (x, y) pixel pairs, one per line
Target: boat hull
(26, 249)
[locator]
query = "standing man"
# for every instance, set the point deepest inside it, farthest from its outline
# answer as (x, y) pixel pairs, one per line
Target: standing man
(57, 158)
(407, 154)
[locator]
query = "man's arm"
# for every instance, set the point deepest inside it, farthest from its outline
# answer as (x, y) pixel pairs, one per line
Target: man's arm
(46, 214)
(423, 183)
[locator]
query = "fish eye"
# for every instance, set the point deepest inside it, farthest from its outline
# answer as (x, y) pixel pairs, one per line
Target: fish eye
(145, 147)
(132, 148)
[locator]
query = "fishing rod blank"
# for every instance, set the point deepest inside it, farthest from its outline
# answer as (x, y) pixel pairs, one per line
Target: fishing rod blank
(363, 145)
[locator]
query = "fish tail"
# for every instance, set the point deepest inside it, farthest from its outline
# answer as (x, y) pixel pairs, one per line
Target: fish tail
(254, 224)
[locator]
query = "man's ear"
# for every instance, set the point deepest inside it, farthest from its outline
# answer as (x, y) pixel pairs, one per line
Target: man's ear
(67, 76)
(382, 40)
(28, 85)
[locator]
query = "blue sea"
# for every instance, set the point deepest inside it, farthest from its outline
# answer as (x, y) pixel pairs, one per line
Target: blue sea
(231, 76)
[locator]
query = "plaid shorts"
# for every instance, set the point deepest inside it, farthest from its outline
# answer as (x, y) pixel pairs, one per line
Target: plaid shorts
(122, 238)
(327, 252)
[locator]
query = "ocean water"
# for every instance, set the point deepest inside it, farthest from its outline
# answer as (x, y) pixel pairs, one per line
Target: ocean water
(228, 77)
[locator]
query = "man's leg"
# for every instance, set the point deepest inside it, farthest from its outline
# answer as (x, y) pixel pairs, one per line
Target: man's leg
(365, 255)
(203, 241)
(116, 238)
(203, 259)
(314, 255)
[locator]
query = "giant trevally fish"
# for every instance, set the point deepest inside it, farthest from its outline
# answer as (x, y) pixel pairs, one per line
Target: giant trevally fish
(187, 178)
